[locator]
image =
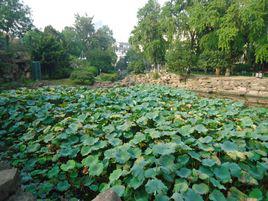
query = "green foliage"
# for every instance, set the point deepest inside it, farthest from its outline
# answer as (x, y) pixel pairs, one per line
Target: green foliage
(136, 62)
(147, 36)
(121, 64)
(145, 142)
(83, 76)
(107, 77)
(48, 47)
(179, 58)
(15, 18)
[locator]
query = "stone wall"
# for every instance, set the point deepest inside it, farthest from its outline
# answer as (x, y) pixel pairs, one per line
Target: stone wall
(235, 86)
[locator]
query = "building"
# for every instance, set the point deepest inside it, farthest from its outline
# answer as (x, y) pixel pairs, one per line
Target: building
(121, 49)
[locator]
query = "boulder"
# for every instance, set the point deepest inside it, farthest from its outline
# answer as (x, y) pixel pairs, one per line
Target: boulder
(108, 195)
(9, 182)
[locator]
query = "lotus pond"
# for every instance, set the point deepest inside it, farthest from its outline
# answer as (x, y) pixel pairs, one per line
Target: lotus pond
(146, 142)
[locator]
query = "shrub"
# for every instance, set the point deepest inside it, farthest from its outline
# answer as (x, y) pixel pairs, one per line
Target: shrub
(63, 72)
(107, 77)
(82, 76)
(92, 69)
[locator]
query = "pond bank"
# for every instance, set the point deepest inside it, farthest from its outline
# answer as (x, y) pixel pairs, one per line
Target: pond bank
(251, 90)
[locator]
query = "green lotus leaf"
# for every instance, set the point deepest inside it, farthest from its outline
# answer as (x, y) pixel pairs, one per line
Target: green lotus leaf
(155, 186)
(150, 173)
(180, 186)
(53, 172)
(135, 182)
(86, 140)
(246, 121)
(86, 150)
(233, 168)
(194, 155)
(95, 169)
(68, 166)
(164, 149)
(183, 159)
(115, 175)
(235, 194)
(216, 195)
(223, 174)
(186, 130)
(139, 137)
(216, 183)
(177, 197)
(122, 156)
(119, 189)
(208, 162)
(161, 197)
(229, 146)
(191, 195)
(33, 147)
(200, 128)
(205, 140)
(115, 141)
(63, 186)
(184, 172)
(89, 160)
(256, 193)
(45, 188)
(201, 188)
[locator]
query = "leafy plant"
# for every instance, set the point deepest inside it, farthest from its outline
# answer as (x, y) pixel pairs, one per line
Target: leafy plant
(83, 76)
(145, 142)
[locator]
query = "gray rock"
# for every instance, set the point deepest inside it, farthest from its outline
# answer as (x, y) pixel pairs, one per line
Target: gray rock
(21, 196)
(4, 165)
(9, 182)
(108, 195)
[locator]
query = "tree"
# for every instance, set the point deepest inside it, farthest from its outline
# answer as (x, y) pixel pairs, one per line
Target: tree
(85, 29)
(72, 42)
(136, 62)
(147, 36)
(48, 47)
(102, 51)
(15, 18)
(179, 58)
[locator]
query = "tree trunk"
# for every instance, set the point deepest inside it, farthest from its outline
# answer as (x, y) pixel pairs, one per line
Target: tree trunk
(218, 71)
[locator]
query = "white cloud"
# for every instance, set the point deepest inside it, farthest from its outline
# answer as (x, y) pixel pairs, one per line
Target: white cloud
(119, 15)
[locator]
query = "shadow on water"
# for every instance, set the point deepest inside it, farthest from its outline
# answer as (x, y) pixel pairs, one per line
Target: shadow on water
(248, 100)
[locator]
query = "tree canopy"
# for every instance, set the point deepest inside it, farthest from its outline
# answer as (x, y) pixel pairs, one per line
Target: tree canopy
(202, 34)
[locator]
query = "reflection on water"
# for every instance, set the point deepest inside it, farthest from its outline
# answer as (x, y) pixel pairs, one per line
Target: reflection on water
(249, 101)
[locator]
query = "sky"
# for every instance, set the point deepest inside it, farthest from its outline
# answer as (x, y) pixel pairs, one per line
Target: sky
(119, 15)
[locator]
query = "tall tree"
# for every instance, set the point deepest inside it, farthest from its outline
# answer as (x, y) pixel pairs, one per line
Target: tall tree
(85, 29)
(48, 47)
(72, 42)
(147, 37)
(15, 18)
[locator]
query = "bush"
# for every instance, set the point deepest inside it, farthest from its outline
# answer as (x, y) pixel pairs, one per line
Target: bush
(107, 77)
(63, 72)
(92, 69)
(82, 76)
